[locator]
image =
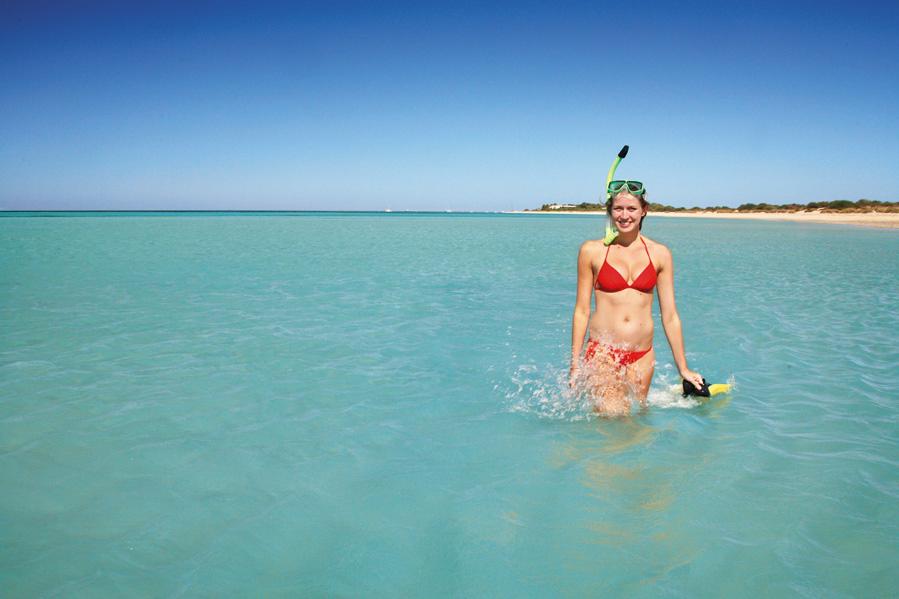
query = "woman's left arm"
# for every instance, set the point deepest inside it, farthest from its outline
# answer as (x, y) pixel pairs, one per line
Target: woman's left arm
(670, 319)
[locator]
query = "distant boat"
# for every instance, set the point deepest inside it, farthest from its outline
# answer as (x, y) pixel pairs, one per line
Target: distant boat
(387, 210)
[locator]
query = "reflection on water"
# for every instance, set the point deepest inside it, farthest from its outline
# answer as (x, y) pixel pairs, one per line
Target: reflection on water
(608, 438)
(626, 434)
(607, 533)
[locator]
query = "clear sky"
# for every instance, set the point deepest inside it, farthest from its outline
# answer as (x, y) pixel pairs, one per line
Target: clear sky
(458, 105)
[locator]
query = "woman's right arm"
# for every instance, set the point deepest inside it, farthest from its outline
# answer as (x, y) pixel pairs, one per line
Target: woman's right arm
(582, 304)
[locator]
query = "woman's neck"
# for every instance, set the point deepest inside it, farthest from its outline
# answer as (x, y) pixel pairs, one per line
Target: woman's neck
(626, 239)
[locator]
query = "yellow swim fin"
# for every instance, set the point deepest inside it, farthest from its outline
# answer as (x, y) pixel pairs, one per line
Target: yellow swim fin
(706, 390)
(718, 388)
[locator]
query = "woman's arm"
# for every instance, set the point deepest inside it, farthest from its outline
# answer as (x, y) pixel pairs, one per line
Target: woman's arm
(582, 304)
(670, 319)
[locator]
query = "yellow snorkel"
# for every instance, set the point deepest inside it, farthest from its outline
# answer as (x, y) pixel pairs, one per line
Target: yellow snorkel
(611, 230)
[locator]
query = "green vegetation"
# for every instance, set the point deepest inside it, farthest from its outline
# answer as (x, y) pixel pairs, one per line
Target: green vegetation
(862, 205)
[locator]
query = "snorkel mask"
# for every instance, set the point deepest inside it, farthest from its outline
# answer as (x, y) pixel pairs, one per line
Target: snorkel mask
(611, 229)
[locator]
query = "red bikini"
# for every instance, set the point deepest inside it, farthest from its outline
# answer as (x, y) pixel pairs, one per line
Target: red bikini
(610, 280)
(622, 357)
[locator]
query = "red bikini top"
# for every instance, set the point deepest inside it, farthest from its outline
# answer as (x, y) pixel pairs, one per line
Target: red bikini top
(610, 280)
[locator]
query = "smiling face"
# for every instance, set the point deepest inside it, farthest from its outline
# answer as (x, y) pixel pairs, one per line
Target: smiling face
(627, 211)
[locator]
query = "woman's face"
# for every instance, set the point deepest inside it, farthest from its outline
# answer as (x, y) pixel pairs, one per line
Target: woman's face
(627, 212)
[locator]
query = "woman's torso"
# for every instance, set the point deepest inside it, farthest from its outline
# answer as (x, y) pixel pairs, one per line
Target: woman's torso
(623, 280)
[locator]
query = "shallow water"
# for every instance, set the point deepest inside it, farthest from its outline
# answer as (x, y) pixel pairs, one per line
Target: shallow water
(367, 404)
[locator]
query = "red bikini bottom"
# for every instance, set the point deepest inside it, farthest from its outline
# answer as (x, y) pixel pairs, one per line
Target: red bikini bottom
(621, 356)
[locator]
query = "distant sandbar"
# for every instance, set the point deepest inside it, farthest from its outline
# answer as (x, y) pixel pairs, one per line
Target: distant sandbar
(886, 220)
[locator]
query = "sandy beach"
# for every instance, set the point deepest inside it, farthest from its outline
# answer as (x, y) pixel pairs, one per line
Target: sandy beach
(884, 220)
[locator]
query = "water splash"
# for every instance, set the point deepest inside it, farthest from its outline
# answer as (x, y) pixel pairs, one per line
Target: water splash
(548, 393)
(545, 392)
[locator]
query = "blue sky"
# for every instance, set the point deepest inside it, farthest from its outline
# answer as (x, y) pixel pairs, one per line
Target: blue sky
(463, 106)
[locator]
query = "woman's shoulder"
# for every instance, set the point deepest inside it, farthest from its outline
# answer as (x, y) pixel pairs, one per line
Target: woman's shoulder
(591, 246)
(657, 249)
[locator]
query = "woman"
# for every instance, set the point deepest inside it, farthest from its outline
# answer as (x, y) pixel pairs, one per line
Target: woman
(619, 359)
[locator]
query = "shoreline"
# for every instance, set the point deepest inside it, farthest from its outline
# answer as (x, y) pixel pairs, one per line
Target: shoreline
(879, 220)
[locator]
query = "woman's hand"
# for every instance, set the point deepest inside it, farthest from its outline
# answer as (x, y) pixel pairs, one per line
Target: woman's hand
(693, 377)
(573, 372)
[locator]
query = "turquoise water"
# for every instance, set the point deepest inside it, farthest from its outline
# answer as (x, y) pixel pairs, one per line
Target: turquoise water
(370, 405)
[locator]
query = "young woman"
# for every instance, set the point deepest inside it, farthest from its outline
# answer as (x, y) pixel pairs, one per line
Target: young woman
(619, 360)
